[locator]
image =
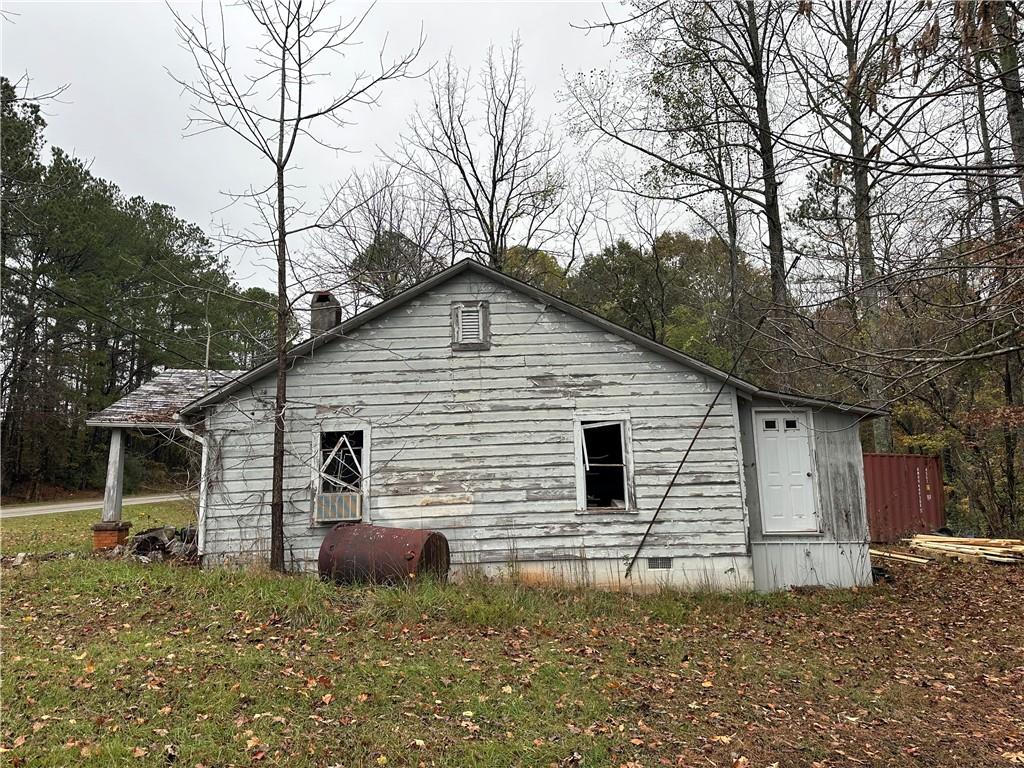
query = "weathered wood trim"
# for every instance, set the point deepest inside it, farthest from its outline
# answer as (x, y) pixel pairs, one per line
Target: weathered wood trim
(204, 482)
(740, 474)
(331, 423)
(623, 417)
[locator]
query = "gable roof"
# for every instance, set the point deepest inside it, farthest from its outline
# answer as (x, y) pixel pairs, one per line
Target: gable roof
(469, 265)
(154, 404)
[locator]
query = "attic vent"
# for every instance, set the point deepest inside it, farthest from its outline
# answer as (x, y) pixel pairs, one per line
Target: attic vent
(470, 325)
(659, 563)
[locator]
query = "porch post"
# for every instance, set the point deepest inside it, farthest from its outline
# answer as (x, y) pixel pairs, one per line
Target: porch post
(115, 478)
(201, 522)
(111, 531)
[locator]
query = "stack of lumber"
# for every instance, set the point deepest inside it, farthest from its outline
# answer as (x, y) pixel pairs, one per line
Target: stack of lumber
(1008, 551)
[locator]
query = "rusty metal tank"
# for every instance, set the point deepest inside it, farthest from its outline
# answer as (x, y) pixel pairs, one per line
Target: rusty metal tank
(357, 553)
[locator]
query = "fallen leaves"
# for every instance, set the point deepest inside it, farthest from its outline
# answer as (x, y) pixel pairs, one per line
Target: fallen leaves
(750, 681)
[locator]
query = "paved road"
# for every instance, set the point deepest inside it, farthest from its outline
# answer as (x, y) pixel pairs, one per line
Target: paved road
(23, 510)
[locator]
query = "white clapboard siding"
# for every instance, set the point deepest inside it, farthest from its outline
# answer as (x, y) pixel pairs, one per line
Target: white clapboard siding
(479, 445)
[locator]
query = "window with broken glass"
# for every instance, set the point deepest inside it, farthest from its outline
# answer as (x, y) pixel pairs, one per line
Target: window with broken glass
(604, 464)
(341, 461)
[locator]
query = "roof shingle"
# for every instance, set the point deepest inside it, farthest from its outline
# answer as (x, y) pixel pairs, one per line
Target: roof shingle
(155, 403)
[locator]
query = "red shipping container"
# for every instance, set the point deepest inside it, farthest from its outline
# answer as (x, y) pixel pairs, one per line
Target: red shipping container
(904, 495)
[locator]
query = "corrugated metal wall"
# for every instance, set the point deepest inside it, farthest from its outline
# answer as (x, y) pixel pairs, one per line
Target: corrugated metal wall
(904, 495)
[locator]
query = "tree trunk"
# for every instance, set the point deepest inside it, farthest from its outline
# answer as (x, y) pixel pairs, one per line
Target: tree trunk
(986, 146)
(280, 395)
(1010, 450)
(766, 149)
(280, 342)
(1009, 78)
(881, 427)
(732, 229)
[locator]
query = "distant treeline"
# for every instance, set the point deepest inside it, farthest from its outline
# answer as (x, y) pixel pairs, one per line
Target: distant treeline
(99, 291)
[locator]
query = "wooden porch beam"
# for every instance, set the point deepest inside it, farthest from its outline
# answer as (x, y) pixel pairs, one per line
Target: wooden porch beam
(114, 488)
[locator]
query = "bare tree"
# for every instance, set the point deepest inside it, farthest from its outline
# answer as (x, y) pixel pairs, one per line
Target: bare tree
(494, 168)
(863, 107)
(705, 110)
(269, 103)
(387, 234)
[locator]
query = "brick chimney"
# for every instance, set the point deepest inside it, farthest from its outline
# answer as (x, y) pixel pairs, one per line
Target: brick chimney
(325, 314)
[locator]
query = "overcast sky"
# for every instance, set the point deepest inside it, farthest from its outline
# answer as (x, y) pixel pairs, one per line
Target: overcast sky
(123, 112)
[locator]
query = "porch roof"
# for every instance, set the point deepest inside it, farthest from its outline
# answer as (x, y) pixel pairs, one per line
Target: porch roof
(154, 404)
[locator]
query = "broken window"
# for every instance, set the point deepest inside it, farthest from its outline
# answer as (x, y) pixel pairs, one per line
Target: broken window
(341, 461)
(604, 464)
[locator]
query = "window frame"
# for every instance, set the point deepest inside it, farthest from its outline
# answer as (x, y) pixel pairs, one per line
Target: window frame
(484, 342)
(340, 425)
(623, 419)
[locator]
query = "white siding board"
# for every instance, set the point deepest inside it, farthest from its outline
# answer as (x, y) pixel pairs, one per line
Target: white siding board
(479, 445)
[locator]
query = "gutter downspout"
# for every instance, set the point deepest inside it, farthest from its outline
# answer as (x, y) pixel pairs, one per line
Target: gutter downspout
(201, 523)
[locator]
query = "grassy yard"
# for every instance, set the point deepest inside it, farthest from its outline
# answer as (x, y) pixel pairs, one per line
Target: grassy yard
(117, 663)
(71, 531)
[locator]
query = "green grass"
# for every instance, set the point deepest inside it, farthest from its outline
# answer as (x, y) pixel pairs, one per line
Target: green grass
(72, 531)
(111, 662)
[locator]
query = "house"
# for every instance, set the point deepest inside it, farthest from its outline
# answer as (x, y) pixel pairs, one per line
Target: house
(538, 438)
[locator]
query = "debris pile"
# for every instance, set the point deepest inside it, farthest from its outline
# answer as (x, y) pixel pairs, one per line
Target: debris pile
(163, 543)
(21, 558)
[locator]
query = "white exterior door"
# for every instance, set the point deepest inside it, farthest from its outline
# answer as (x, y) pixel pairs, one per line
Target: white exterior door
(785, 474)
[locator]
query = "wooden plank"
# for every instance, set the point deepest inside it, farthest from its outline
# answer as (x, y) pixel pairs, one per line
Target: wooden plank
(1010, 543)
(965, 548)
(899, 556)
(967, 556)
